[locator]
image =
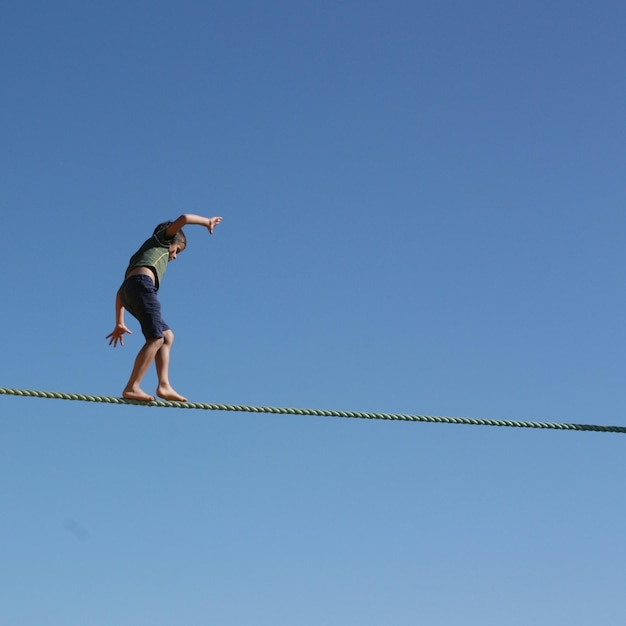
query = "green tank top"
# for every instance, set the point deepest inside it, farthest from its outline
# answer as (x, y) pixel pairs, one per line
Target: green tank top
(154, 253)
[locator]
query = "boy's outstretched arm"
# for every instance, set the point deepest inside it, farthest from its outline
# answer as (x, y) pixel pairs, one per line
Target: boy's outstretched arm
(120, 328)
(189, 218)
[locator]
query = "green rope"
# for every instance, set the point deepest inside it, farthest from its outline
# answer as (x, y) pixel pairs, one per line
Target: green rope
(313, 412)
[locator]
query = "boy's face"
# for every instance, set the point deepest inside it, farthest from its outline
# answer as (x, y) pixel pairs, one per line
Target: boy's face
(175, 248)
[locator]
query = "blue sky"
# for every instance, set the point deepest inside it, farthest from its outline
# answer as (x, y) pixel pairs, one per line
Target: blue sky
(423, 213)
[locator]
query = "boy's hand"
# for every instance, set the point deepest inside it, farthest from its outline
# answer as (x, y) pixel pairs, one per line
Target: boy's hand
(212, 222)
(118, 335)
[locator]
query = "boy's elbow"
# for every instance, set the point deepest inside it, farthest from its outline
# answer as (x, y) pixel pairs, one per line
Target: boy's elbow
(178, 223)
(184, 220)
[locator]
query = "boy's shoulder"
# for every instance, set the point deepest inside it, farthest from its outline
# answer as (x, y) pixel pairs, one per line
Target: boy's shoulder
(160, 234)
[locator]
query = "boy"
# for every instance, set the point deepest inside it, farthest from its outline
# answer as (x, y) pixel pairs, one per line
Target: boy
(138, 295)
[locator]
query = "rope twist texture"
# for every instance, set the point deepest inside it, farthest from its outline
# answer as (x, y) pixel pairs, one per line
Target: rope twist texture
(313, 412)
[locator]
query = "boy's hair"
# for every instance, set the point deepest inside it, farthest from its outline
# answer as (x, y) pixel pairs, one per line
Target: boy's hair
(179, 237)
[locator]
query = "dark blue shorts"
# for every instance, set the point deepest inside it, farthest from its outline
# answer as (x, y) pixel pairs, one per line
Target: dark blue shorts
(139, 298)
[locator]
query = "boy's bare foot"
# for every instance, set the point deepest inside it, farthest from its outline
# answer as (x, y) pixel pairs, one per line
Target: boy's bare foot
(167, 393)
(137, 394)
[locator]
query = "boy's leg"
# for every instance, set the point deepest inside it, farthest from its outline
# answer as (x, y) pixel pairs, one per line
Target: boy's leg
(144, 359)
(162, 362)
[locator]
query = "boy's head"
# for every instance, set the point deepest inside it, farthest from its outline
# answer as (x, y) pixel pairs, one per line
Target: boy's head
(175, 248)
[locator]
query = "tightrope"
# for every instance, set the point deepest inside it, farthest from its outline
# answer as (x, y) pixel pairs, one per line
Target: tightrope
(313, 412)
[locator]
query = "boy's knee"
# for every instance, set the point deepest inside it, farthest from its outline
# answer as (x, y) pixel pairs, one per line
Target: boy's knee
(168, 336)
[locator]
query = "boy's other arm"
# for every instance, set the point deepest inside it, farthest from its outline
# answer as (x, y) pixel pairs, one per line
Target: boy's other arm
(189, 218)
(120, 328)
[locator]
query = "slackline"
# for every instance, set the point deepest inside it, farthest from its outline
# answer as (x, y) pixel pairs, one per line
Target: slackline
(469, 421)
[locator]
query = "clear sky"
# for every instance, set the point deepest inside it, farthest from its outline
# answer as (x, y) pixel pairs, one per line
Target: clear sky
(423, 208)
